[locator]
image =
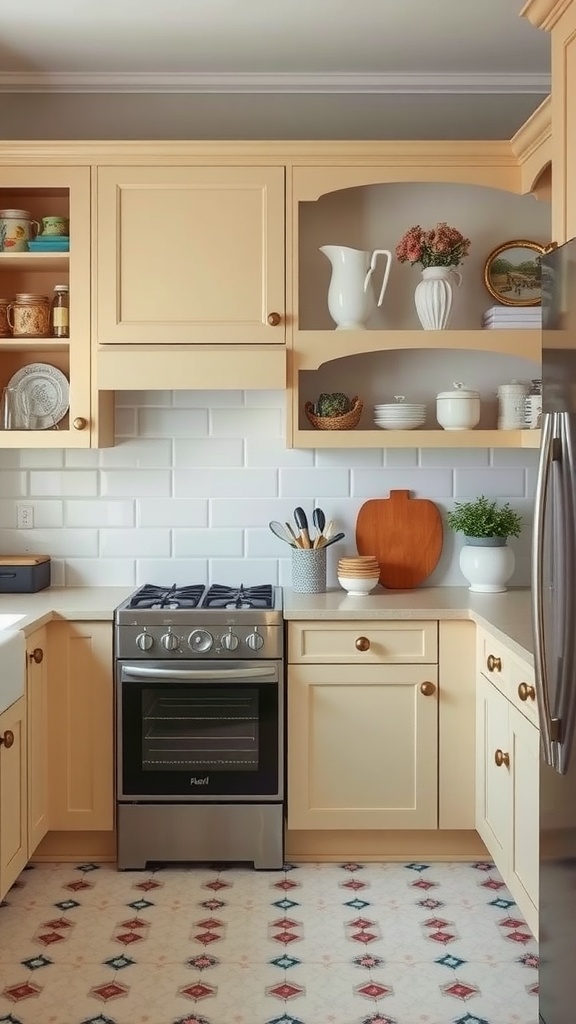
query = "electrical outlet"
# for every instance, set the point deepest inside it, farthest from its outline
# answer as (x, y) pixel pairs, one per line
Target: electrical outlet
(25, 517)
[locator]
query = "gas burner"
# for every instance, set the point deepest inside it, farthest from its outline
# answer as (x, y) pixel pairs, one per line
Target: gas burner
(239, 597)
(150, 596)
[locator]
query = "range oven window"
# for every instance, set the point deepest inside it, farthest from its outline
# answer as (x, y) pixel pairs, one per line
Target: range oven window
(199, 739)
(203, 729)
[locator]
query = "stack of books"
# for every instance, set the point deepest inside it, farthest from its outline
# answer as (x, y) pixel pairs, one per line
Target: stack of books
(502, 317)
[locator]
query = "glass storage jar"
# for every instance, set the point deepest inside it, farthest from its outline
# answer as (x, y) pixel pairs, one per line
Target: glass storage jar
(59, 316)
(5, 330)
(29, 315)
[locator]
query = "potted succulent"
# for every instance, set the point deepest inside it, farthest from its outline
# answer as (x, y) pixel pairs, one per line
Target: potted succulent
(485, 559)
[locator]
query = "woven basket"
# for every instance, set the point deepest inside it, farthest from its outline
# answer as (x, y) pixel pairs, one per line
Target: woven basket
(347, 421)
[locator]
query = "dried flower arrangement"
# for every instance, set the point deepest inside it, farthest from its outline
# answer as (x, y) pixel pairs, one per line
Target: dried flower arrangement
(441, 246)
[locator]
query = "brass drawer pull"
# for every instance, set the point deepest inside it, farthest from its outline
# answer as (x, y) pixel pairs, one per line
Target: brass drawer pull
(526, 691)
(501, 757)
(36, 655)
(362, 643)
(7, 739)
(274, 319)
(427, 688)
(493, 664)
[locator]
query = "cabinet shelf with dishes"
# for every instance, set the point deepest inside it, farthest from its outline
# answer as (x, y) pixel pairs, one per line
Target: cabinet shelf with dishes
(51, 375)
(366, 209)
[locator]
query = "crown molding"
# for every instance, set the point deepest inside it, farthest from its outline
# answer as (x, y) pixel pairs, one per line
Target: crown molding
(225, 82)
(544, 13)
(534, 133)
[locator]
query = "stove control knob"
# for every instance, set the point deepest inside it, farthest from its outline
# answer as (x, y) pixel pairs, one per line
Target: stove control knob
(255, 641)
(200, 640)
(170, 641)
(144, 641)
(230, 640)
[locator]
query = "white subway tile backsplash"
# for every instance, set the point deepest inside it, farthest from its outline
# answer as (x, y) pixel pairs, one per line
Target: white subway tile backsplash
(136, 483)
(314, 482)
(209, 451)
(101, 513)
(172, 512)
(75, 483)
(188, 491)
(246, 422)
(154, 422)
(209, 543)
(225, 483)
(130, 543)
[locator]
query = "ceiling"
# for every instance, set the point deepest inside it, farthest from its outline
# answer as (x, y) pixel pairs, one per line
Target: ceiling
(372, 62)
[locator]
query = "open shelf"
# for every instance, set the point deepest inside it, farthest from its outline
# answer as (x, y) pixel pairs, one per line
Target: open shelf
(49, 261)
(416, 439)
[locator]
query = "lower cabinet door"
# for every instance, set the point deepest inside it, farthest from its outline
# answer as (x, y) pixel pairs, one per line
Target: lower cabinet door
(362, 747)
(525, 751)
(493, 779)
(13, 805)
(81, 726)
(37, 697)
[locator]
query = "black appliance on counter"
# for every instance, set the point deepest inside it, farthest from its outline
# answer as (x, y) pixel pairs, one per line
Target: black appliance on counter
(199, 682)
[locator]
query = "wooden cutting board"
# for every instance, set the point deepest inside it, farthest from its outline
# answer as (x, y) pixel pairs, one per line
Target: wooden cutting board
(405, 535)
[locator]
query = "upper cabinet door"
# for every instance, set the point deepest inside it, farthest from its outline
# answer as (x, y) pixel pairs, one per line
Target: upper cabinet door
(190, 255)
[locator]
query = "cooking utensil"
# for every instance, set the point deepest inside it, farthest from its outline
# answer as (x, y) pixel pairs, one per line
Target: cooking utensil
(405, 535)
(301, 521)
(326, 543)
(319, 522)
(279, 531)
(296, 539)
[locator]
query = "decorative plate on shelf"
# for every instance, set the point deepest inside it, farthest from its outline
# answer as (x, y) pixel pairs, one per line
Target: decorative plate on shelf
(41, 396)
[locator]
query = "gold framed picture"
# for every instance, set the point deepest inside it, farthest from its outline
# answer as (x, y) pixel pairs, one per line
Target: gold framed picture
(513, 275)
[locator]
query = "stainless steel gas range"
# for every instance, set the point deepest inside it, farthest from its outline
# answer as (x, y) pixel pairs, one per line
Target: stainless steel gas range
(199, 684)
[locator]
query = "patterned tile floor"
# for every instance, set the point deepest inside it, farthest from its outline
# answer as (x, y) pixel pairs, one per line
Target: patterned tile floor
(219, 944)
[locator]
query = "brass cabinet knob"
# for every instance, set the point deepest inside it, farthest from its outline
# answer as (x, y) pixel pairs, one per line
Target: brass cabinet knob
(526, 691)
(36, 655)
(362, 643)
(7, 739)
(80, 423)
(427, 688)
(501, 757)
(274, 319)
(493, 664)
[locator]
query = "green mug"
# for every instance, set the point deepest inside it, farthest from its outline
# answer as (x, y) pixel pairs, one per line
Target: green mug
(54, 226)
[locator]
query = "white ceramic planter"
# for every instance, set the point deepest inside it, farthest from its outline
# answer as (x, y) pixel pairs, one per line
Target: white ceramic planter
(487, 563)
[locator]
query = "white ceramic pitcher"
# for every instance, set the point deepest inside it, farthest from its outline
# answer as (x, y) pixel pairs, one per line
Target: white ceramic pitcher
(351, 299)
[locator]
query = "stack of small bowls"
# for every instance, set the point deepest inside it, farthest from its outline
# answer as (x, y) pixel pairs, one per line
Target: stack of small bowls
(400, 415)
(358, 575)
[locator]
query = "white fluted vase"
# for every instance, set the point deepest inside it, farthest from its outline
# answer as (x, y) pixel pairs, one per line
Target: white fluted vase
(433, 296)
(487, 563)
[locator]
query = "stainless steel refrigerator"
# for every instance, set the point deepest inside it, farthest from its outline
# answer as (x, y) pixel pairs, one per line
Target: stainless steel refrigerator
(554, 618)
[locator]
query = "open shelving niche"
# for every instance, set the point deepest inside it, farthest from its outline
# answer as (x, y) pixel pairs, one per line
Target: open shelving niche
(394, 355)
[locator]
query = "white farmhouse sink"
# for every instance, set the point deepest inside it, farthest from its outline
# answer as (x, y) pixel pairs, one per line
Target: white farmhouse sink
(9, 620)
(12, 666)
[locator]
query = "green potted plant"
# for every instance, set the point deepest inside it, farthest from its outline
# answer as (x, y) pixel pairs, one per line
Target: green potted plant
(485, 559)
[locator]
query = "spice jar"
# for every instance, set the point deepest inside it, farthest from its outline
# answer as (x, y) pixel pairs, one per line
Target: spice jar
(59, 313)
(5, 331)
(29, 315)
(533, 405)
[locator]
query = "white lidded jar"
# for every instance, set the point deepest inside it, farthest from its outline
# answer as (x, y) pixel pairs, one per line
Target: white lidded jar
(458, 409)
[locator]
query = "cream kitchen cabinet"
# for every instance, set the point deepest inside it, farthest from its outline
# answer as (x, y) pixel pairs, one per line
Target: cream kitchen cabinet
(13, 798)
(190, 255)
(48, 189)
(362, 726)
(37, 733)
(507, 786)
(80, 726)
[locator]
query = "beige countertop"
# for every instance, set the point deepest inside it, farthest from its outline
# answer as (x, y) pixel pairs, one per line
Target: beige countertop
(506, 615)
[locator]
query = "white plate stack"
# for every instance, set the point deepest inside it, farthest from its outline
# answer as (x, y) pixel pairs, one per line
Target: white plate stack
(399, 415)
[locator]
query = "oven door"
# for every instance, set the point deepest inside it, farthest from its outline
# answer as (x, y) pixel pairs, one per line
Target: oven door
(191, 731)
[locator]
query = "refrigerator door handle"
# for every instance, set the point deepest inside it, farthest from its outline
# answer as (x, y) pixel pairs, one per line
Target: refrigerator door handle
(548, 730)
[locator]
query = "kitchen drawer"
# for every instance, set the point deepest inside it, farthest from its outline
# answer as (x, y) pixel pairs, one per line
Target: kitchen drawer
(507, 672)
(363, 642)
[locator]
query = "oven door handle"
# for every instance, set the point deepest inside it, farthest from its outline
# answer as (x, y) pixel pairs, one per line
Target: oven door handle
(229, 675)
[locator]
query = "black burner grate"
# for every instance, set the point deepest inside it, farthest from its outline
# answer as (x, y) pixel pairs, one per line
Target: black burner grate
(150, 596)
(239, 597)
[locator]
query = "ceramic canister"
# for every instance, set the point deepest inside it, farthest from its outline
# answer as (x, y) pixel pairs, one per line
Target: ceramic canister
(512, 405)
(16, 229)
(458, 409)
(54, 226)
